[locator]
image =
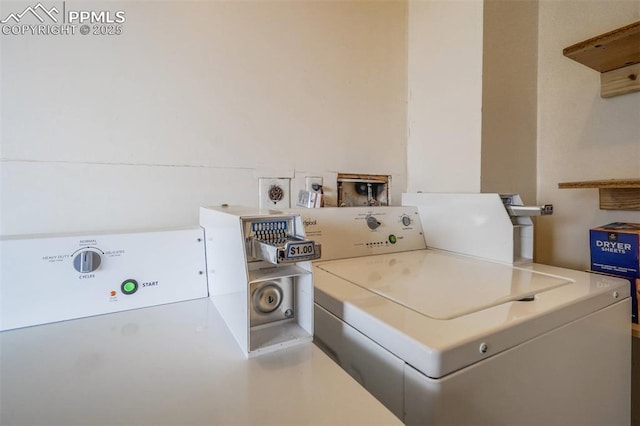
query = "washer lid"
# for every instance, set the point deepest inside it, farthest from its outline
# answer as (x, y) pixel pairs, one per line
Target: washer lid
(437, 310)
(441, 286)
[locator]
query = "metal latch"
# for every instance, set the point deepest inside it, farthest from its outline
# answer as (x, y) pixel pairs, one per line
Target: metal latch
(544, 210)
(515, 210)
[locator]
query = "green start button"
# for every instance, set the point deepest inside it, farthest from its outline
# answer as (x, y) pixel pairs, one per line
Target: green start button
(392, 239)
(129, 286)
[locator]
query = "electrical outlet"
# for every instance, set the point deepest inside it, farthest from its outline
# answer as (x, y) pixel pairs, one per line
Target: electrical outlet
(310, 181)
(274, 193)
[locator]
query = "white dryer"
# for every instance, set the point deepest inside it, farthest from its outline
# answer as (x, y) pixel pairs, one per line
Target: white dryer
(62, 362)
(442, 338)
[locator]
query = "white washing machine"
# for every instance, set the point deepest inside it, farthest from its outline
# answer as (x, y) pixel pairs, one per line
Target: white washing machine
(443, 338)
(176, 363)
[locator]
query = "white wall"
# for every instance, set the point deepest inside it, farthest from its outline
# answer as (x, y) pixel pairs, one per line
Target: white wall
(445, 95)
(197, 99)
(580, 135)
(191, 104)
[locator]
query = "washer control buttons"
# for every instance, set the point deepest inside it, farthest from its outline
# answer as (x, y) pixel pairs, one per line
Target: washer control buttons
(129, 286)
(86, 261)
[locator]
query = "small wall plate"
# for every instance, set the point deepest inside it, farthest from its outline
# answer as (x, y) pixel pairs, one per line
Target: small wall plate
(274, 193)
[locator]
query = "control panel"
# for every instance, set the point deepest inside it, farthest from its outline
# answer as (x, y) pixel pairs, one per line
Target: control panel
(362, 231)
(60, 277)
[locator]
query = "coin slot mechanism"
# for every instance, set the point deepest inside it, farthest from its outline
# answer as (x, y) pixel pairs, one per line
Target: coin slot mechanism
(276, 242)
(271, 301)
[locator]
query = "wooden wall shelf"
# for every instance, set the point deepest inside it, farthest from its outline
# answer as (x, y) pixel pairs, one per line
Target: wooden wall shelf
(616, 55)
(615, 194)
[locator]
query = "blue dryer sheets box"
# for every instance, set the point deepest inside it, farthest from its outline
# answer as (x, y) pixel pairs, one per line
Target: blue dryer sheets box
(615, 249)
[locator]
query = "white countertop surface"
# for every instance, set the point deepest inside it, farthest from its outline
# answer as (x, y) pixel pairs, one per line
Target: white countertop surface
(175, 364)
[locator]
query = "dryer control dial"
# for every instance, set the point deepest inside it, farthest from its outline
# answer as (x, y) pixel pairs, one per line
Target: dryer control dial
(86, 261)
(406, 220)
(372, 222)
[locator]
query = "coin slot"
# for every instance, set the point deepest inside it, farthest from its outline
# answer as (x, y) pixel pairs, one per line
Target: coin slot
(267, 299)
(271, 301)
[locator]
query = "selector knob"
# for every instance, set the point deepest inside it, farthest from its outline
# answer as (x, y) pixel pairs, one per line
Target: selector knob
(372, 222)
(86, 261)
(406, 220)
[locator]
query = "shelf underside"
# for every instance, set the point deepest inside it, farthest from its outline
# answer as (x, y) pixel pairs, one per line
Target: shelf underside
(604, 183)
(615, 194)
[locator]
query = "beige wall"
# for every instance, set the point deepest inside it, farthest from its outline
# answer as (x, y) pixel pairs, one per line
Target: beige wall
(580, 135)
(509, 89)
(472, 96)
(194, 102)
(445, 96)
(198, 99)
(543, 121)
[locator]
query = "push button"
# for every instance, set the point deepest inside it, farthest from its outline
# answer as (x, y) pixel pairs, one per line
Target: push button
(392, 239)
(129, 286)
